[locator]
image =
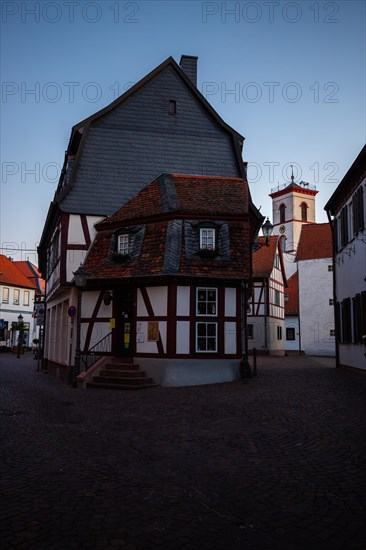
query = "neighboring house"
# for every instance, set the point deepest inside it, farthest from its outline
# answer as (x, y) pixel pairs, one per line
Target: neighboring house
(292, 323)
(17, 294)
(31, 272)
(315, 271)
(162, 124)
(171, 263)
(266, 309)
(346, 210)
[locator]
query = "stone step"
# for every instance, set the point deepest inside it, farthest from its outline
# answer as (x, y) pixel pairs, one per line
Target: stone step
(122, 366)
(122, 373)
(100, 385)
(122, 381)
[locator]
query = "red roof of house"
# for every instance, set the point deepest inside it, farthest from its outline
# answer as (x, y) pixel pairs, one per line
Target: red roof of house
(31, 272)
(10, 274)
(263, 258)
(315, 242)
(168, 210)
(292, 291)
(210, 195)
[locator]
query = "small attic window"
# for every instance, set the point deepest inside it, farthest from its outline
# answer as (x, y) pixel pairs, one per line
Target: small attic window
(123, 242)
(172, 107)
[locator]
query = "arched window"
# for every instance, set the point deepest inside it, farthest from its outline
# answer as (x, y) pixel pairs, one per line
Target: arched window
(283, 243)
(304, 212)
(282, 213)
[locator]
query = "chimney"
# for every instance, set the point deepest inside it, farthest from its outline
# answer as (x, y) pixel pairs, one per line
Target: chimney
(189, 65)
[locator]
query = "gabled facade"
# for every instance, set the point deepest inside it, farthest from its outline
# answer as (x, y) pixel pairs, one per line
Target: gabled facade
(171, 263)
(162, 124)
(346, 210)
(266, 307)
(18, 287)
(315, 272)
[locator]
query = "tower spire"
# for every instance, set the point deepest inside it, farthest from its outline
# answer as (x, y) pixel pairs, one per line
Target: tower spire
(292, 173)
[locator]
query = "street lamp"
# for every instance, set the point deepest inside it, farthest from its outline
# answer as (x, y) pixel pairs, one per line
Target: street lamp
(80, 282)
(267, 229)
(20, 327)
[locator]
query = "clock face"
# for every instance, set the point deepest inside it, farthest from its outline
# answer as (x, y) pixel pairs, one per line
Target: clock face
(282, 229)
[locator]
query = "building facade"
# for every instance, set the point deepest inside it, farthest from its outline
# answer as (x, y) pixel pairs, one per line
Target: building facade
(266, 307)
(162, 124)
(346, 211)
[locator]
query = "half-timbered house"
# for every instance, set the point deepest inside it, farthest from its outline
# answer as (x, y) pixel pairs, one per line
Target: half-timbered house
(161, 124)
(266, 310)
(169, 265)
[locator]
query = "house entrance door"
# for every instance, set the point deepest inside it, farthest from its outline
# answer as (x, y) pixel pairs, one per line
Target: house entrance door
(123, 337)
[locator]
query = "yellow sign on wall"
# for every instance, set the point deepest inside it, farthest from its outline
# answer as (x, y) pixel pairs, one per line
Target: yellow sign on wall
(112, 323)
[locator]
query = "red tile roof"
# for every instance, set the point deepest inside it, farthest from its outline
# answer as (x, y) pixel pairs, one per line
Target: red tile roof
(210, 195)
(10, 274)
(315, 242)
(170, 197)
(292, 291)
(31, 272)
(263, 258)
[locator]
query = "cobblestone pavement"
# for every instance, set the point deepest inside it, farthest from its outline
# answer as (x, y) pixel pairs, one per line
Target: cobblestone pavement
(278, 463)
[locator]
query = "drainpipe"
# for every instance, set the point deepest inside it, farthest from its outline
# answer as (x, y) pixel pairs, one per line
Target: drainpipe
(298, 305)
(336, 320)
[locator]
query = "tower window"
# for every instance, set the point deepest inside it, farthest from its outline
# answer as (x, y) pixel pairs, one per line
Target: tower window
(282, 213)
(304, 212)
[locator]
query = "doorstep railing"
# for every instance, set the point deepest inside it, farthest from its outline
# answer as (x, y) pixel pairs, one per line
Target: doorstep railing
(103, 347)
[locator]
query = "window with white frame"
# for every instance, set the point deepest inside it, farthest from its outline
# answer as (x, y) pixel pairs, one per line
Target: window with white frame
(206, 337)
(5, 295)
(207, 238)
(206, 301)
(26, 298)
(123, 242)
(16, 296)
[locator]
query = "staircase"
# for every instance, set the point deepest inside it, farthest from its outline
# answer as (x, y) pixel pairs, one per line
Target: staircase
(119, 374)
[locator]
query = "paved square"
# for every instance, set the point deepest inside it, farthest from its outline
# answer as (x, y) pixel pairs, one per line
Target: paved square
(278, 463)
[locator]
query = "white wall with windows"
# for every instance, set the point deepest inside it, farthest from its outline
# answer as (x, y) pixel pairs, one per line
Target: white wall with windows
(16, 301)
(316, 309)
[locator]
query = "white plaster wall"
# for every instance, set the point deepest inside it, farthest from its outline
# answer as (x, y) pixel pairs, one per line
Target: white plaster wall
(100, 330)
(351, 268)
(293, 322)
(183, 300)
(159, 299)
(352, 356)
(230, 337)
(92, 220)
(275, 346)
(73, 260)
(258, 340)
(141, 309)
(75, 233)
(316, 315)
(151, 347)
(183, 335)
(59, 329)
(230, 302)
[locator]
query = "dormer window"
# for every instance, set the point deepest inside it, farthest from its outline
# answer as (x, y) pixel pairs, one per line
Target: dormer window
(123, 242)
(207, 238)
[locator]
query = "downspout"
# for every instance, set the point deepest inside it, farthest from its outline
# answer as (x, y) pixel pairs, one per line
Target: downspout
(265, 317)
(336, 320)
(298, 305)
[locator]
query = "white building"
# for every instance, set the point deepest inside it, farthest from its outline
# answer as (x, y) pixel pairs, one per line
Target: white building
(346, 209)
(315, 273)
(266, 311)
(17, 294)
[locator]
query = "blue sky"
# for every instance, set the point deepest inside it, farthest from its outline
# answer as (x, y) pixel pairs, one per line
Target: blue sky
(289, 76)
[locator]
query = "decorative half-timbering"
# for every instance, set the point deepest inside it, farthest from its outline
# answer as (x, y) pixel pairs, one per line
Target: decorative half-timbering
(266, 311)
(175, 299)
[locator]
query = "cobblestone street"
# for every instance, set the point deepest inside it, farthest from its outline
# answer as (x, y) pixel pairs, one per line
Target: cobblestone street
(278, 463)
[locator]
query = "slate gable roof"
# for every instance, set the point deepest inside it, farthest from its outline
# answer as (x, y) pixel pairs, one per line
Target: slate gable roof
(166, 208)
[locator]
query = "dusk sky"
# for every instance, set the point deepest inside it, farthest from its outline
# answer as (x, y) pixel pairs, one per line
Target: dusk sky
(288, 76)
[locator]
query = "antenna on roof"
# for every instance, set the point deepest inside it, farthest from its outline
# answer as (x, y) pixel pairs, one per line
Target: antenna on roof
(292, 173)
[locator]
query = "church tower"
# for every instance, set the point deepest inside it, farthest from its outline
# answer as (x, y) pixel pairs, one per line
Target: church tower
(293, 205)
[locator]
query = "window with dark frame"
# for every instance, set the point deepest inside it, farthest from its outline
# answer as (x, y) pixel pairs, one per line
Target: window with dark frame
(277, 298)
(282, 213)
(304, 212)
(279, 332)
(172, 107)
(206, 337)
(330, 268)
(250, 331)
(290, 334)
